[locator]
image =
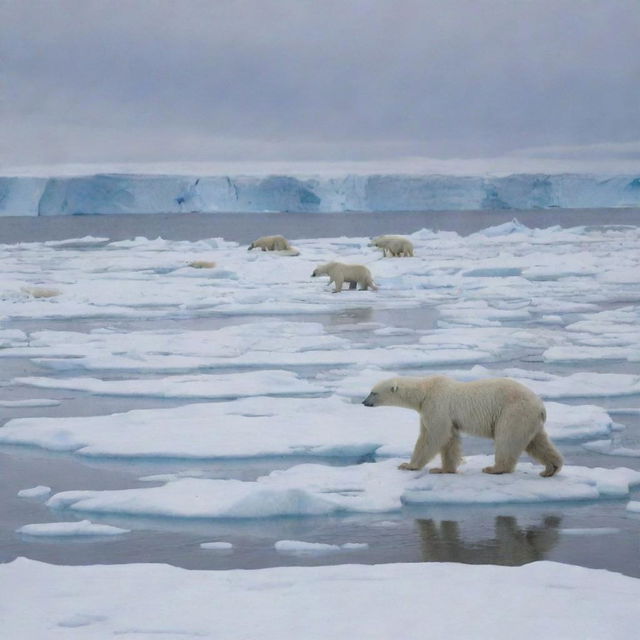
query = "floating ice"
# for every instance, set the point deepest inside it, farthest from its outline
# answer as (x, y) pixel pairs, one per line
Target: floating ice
(41, 491)
(29, 403)
(217, 546)
(597, 531)
(301, 547)
(341, 602)
(70, 529)
(312, 489)
(260, 426)
(231, 385)
(608, 448)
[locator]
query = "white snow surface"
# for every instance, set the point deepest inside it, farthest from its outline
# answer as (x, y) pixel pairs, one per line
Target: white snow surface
(70, 529)
(260, 426)
(40, 491)
(342, 602)
(232, 385)
(486, 279)
(302, 547)
(314, 489)
(217, 546)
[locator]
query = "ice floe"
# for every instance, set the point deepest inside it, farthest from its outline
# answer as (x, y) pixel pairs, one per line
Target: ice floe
(340, 602)
(231, 385)
(217, 546)
(313, 489)
(70, 529)
(608, 447)
(301, 547)
(260, 426)
(41, 491)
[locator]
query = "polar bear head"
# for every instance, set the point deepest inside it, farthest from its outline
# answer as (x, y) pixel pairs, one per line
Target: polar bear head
(406, 392)
(386, 393)
(322, 270)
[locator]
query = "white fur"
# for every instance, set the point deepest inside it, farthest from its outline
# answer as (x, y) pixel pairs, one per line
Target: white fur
(271, 243)
(41, 292)
(339, 273)
(394, 246)
(497, 408)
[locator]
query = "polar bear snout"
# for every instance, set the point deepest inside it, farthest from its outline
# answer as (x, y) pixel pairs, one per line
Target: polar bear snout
(370, 400)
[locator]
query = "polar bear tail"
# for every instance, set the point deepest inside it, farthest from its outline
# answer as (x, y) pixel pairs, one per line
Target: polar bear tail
(542, 450)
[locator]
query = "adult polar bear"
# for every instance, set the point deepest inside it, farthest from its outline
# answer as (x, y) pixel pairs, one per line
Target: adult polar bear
(497, 408)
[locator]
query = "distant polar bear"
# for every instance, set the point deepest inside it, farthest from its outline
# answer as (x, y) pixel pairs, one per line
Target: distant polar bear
(339, 273)
(497, 408)
(41, 292)
(202, 264)
(395, 246)
(270, 243)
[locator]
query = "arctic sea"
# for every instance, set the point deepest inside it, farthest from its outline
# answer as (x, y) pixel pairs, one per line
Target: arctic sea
(484, 296)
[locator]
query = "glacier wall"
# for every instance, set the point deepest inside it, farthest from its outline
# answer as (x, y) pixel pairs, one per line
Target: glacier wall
(133, 193)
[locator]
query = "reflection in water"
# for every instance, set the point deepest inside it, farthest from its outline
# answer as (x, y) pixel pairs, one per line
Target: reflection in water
(511, 544)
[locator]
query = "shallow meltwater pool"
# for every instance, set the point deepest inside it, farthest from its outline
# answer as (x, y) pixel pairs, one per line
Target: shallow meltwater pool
(214, 415)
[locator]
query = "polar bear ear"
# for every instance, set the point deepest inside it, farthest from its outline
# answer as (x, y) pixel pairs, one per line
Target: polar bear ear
(394, 387)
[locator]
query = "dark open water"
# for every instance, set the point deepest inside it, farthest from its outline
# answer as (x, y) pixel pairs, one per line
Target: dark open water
(508, 535)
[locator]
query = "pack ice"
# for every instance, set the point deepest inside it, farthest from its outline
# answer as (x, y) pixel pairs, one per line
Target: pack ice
(341, 602)
(313, 489)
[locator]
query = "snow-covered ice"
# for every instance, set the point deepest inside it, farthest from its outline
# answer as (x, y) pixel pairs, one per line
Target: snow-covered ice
(217, 546)
(607, 447)
(341, 602)
(314, 489)
(233, 385)
(29, 404)
(41, 491)
(82, 528)
(302, 547)
(260, 426)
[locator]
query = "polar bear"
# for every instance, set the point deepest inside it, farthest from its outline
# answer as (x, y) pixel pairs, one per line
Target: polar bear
(339, 273)
(497, 408)
(270, 243)
(395, 246)
(41, 292)
(202, 264)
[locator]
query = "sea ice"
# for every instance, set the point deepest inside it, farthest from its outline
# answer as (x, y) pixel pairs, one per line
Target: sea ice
(312, 489)
(301, 547)
(341, 602)
(70, 529)
(231, 385)
(217, 546)
(41, 491)
(258, 427)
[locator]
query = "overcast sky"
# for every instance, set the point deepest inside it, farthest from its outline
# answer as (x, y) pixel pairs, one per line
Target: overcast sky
(154, 80)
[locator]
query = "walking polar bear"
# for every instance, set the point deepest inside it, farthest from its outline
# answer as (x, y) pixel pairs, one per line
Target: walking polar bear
(274, 243)
(339, 273)
(395, 246)
(497, 408)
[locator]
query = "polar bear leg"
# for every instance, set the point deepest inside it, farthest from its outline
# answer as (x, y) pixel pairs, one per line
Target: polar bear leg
(512, 433)
(542, 450)
(451, 455)
(338, 281)
(353, 284)
(429, 443)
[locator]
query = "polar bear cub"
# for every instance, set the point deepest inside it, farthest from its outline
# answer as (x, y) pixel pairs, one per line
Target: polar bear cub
(339, 273)
(270, 243)
(497, 408)
(394, 246)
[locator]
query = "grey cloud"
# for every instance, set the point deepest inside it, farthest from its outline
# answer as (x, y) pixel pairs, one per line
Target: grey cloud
(146, 80)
